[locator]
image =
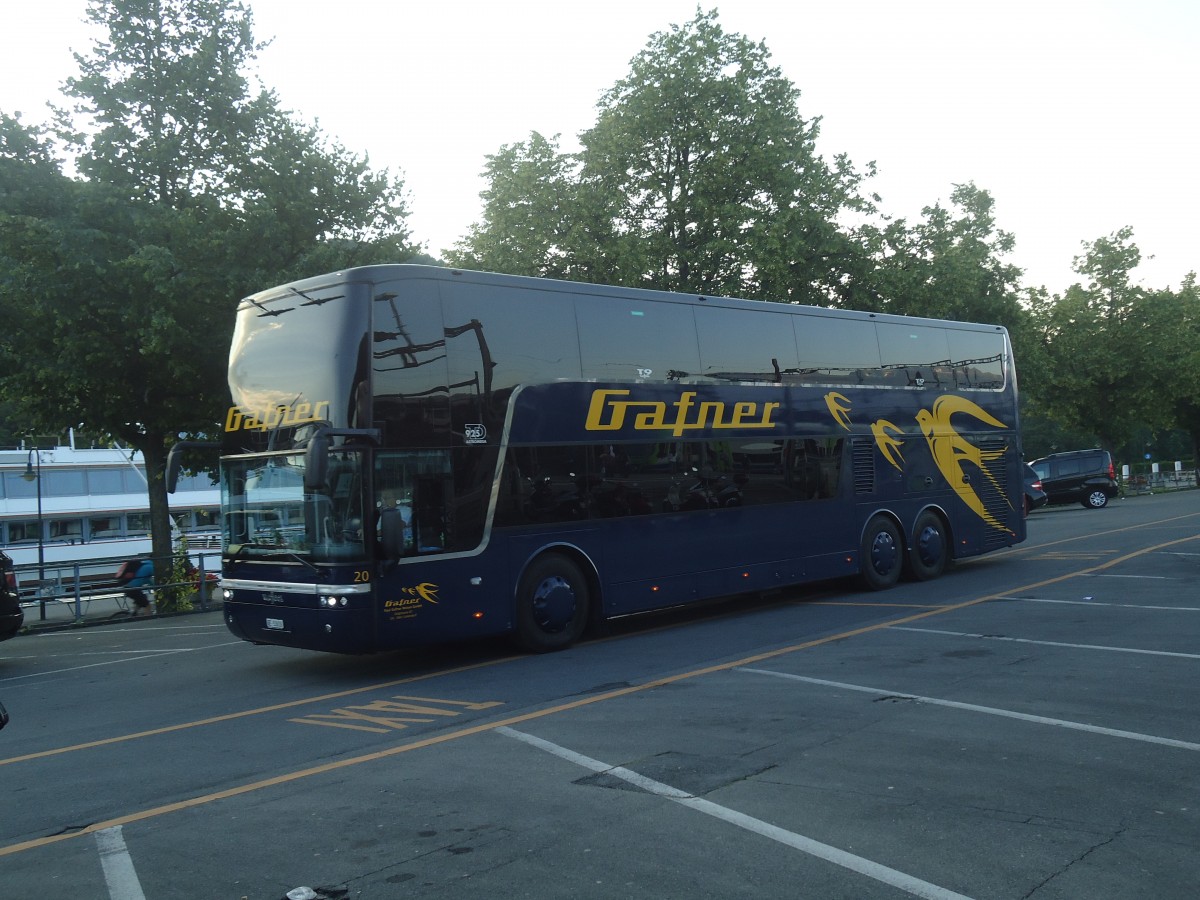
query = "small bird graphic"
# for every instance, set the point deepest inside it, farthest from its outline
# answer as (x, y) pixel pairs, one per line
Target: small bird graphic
(951, 451)
(839, 408)
(888, 445)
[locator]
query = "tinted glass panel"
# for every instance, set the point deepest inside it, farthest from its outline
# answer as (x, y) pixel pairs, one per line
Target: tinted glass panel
(15, 486)
(417, 485)
(837, 350)
(497, 338)
(105, 481)
(63, 483)
(524, 335)
(408, 358)
(104, 527)
(201, 482)
(738, 345)
(543, 484)
(206, 518)
(22, 532)
(813, 468)
(624, 340)
(272, 375)
(978, 359)
(66, 530)
(564, 484)
(912, 355)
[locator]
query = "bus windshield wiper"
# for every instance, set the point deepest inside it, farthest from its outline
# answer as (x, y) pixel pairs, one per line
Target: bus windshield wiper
(290, 554)
(240, 551)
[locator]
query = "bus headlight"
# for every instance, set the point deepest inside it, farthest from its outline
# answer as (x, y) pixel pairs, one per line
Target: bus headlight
(333, 602)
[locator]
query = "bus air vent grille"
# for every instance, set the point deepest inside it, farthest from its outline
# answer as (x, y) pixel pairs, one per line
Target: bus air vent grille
(995, 492)
(863, 452)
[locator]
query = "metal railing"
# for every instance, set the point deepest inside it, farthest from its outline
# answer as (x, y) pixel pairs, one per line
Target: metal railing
(1148, 478)
(77, 585)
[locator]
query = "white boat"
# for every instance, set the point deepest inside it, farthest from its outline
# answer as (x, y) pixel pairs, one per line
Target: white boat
(94, 511)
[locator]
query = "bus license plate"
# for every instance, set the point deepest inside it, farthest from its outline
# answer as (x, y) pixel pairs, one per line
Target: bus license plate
(275, 624)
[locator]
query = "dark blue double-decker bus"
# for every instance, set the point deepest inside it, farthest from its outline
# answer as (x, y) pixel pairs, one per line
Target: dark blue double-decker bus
(416, 454)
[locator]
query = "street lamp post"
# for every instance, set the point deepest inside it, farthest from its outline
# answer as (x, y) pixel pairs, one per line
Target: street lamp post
(30, 475)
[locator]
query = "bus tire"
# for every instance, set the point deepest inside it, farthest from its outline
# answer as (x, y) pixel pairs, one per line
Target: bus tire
(882, 556)
(930, 550)
(553, 603)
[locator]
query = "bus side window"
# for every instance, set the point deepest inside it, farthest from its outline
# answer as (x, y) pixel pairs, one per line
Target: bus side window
(429, 514)
(391, 532)
(394, 522)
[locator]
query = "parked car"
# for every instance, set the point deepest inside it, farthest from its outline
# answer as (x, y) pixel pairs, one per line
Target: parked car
(1078, 476)
(1035, 497)
(11, 616)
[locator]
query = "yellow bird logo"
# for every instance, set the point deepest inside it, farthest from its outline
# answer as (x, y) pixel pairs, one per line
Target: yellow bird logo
(426, 591)
(951, 451)
(888, 445)
(839, 408)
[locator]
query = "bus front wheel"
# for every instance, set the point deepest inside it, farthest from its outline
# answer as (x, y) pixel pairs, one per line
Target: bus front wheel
(882, 556)
(552, 604)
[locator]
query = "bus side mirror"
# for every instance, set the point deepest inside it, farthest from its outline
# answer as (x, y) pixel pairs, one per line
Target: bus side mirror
(391, 533)
(175, 459)
(316, 461)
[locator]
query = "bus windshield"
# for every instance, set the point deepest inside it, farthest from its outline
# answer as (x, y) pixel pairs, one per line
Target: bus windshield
(269, 514)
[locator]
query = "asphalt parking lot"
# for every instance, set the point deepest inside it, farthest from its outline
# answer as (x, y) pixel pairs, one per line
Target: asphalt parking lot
(1023, 727)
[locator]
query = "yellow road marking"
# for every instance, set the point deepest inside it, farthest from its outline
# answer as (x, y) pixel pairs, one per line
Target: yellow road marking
(183, 726)
(351, 716)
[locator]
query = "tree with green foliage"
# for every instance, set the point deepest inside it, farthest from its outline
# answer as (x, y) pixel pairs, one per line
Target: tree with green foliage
(1177, 351)
(528, 213)
(699, 176)
(1104, 372)
(950, 265)
(195, 190)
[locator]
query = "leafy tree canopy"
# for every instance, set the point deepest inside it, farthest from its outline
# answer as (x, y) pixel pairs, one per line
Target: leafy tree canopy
(699, 176)
(195, 189)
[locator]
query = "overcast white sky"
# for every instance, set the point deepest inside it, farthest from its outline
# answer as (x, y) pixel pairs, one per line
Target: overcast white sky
(1079, 117)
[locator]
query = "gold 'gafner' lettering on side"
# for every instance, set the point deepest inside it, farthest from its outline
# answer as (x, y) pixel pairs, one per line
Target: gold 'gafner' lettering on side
(275, 417)
(607, 413)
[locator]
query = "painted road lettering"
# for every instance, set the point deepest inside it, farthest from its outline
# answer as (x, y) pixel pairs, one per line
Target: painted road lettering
(382, 716)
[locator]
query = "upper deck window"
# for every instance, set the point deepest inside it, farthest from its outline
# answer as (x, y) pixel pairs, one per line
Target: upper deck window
(637, 340)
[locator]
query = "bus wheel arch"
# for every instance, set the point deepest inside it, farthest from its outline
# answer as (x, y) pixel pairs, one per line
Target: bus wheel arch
(554, 601)
(881, 557)
(930, 547)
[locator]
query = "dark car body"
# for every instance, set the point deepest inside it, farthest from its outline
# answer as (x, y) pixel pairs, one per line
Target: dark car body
(11, 616)
(1035, 496)
(1078, 476)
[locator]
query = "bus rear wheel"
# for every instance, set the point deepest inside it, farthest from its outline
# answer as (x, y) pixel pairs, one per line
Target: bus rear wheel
(929, 552)
(552, 604)
(882, 554)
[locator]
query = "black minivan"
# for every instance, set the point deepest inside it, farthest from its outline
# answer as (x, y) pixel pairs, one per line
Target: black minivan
(11, 616)
(1078, 476)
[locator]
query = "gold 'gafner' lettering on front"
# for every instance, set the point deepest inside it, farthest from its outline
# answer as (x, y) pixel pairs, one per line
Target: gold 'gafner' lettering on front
(275, 417)
(607, 413)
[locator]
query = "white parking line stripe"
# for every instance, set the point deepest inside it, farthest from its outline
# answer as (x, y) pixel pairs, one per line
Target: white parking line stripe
(989, 710)
(1016, 640)
(874, 870)
(119, 874)
(138, 655)
(1151, 577)
(1101, 603)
